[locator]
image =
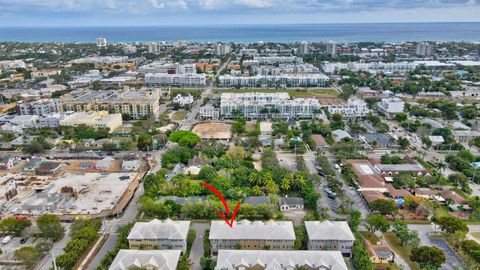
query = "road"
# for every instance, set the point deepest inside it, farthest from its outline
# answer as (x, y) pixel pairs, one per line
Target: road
(197, 248)
(111, 227)
(47, 262)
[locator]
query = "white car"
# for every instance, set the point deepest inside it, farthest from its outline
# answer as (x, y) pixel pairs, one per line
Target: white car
(7, 239)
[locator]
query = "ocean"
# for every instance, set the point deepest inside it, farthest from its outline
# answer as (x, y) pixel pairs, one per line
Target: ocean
(378, 32)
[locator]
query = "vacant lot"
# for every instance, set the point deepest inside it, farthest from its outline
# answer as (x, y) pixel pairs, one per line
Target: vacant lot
(294, 92)
(177, 116)
(216, 131)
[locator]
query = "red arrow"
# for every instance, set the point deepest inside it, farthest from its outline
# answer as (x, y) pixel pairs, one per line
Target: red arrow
(225, 205)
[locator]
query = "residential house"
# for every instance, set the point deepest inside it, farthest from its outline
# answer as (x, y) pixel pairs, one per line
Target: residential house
(378, 140)
(257, 200)
(330, 235)
(6, 162)
(130, 165)
(319, 140)
(258, 235)
(104, 164)
(340, 134)
(157, 234)
(48, 168)
(379, 253)
(291, 203)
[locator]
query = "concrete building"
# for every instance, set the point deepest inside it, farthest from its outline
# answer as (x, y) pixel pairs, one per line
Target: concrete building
(258, 235)
(330, 235)
(165, 79)
(424, 49)
(10, 64)
(282, 80)
(272, 60)
(223, 49)
(331, 47)
(208, 112)
(131, 165)
(157, 234)
(372, 67)
(101, 42)
(98, 119)
(262, 105)
(464, 136)
(304, 48)
(183, 100)
(39, 107)
(146, 259)
(391, 106)
(279, 260)
(351, 109)
(129, 49)
(137, 103)
(154, 47)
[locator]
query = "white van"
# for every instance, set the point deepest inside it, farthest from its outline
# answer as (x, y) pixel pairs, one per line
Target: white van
(7, 239)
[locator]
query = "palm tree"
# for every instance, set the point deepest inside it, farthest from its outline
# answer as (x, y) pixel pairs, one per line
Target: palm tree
(285, 184)
(440, 166)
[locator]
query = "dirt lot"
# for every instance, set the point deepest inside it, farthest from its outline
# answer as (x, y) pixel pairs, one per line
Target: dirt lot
(73, 166)
(217, 131)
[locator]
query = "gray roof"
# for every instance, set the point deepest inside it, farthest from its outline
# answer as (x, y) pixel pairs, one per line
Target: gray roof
(158, 259)
(340, 134)
(291, 201)
(256, 200)
(157, 229)
(380, 138)
(329, 230)
(245, 229)
(400, 167)
(280, 260)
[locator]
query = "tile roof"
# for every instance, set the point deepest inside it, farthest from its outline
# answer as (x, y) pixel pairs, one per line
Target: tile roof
(280, 260)
(245, 229)
(328, 230)
(157, 229)
(158, 259)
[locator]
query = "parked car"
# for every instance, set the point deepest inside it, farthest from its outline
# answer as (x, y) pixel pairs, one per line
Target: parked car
(7, 239)
(23, 240)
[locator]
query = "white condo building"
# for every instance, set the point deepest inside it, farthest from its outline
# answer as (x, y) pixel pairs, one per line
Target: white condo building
(332, 47)
(372, 67)
(165, 79)
(304, 48)
(391, 105)
(351, 109)
(271, 60)
(424, 49)
(39, 107)
(154, 47)
(283, 80)
(263, 105)
(222, 49)
(101, 42)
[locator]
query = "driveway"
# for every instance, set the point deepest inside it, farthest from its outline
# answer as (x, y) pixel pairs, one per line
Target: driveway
(47, 262)
(197, 248)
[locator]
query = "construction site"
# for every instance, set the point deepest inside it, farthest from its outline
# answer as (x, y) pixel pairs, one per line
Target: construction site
(213, 131)
(70, 189)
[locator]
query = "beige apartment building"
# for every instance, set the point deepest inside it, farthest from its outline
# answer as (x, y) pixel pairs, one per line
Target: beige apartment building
(252, 235)
(99, 119)
(136, 103)
(158, 234)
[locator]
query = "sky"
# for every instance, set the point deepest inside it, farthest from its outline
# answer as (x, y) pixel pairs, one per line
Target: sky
(218, 12)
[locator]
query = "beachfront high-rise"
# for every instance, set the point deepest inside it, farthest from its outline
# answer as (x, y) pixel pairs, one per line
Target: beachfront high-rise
(424, 49)
(331, 47)
(101, 42)
(304, 48)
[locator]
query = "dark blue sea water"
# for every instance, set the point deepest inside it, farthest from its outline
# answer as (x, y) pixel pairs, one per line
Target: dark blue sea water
(387, 32)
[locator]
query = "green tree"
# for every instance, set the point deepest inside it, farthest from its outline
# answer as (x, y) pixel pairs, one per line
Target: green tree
(184, 138)
(50, 227)
(428, 257)
(239, 126)
(377, 223)
(145, 142)
(451, 224)
(383, 206)
(29, 256)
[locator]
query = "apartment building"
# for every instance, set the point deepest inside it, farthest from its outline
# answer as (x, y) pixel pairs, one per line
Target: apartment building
(223, 49)
(158, 234)
(330, 235)
(284, 68)
(257, 235)
(391, 106)
(183, 100)
(282, 80)
(424, 49)
(169, 68)
(304, 48)
(267, 105)
(279, 260)
(372, 67)
(39, 107)
(101, 42)
(137, 103)
(272, 60)
(331, 47)
(129, 49)
(165, 79)
(145, 259)
(154, 47)
(98, 119)
(351, 109)
(208, 112)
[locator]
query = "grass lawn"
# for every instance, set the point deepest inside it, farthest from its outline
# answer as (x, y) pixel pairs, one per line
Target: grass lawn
(250, 127)
(476, 235)
(402, 251)
(180, 115)
(293, 92)
(441, 211)
(373, 238)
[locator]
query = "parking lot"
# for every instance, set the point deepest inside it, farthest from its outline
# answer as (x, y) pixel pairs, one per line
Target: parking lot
(14, 244)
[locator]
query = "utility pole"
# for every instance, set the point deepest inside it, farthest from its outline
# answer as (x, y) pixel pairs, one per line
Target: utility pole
(54, 261)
